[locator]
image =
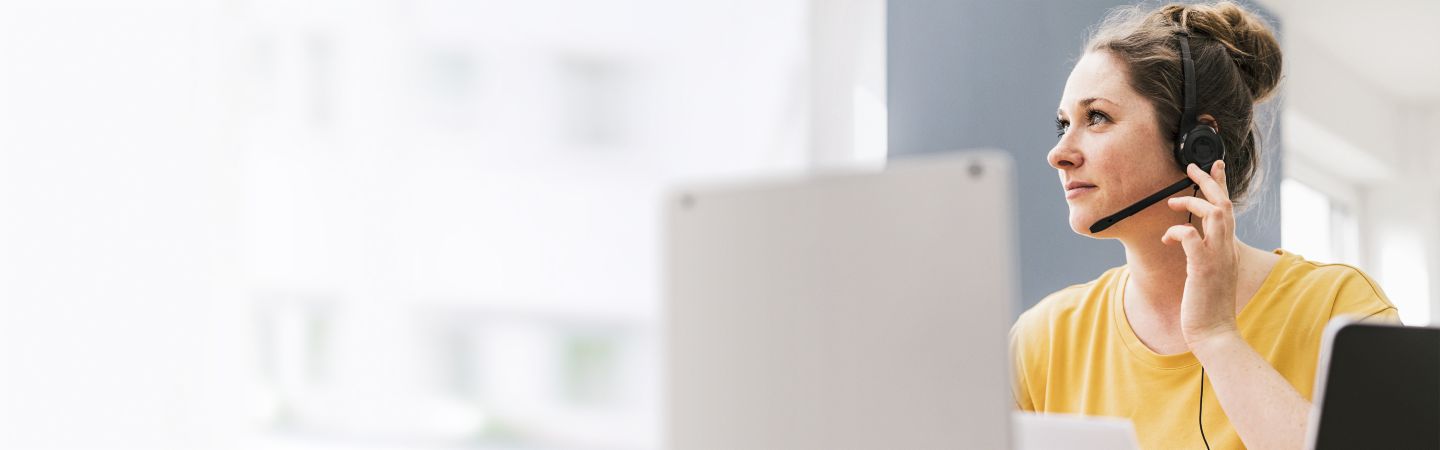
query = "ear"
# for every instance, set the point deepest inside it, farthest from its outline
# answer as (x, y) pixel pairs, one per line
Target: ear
(1209, 121)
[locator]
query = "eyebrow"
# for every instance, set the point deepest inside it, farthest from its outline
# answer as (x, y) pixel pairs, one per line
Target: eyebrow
(1086, 103)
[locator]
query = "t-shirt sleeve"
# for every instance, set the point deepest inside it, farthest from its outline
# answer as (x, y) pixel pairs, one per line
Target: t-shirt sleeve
(1358, 296)
(1387, 315)
(1027, 342)
(1021, 393)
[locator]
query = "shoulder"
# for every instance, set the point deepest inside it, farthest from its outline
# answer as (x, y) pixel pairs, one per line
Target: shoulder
(1059, 305)
(1046, 330)
(1075, 305)
(1343, 288)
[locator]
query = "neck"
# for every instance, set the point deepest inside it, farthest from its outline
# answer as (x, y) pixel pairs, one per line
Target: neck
(1157, 271)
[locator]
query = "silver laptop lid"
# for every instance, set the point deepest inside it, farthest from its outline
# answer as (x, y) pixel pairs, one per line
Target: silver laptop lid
(843, 311)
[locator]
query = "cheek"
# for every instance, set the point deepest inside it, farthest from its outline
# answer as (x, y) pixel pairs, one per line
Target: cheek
(1161, 158)
(1116, 167)
(1139, 162)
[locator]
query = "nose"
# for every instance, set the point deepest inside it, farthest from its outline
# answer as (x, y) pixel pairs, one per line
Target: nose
(1065, 155)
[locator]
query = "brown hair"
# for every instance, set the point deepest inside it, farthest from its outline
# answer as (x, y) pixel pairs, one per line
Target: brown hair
(1237, 65)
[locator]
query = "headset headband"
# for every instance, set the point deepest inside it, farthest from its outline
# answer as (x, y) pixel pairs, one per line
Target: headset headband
(1187, 70)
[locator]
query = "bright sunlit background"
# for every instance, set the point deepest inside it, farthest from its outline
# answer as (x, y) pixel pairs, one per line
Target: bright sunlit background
(311, 224)
(380, 224)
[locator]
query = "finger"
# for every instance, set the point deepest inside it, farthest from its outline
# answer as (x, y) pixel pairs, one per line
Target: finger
(1224, 221)
(1186, 235)
(1217, 172)
(1212, 190)
(1198, 207)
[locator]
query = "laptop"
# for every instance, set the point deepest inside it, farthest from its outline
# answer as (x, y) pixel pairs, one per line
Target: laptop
(1034, 431)
(860, 310)
(1378, 386)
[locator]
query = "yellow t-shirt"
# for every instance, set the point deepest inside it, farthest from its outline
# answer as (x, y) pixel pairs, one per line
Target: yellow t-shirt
(1075, 353)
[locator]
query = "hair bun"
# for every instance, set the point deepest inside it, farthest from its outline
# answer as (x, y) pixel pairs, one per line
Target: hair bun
(1244, 34)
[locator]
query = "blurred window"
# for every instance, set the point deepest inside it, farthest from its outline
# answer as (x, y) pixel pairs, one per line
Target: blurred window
(1317, 225)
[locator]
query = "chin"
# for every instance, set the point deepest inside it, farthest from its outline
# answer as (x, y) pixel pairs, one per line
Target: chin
(1082, 218)
(1080, 222)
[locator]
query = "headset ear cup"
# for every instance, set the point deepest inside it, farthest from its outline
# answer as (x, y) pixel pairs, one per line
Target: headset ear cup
(1202, 147)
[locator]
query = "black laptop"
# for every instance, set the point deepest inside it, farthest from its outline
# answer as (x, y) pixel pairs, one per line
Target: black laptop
(1377, 386)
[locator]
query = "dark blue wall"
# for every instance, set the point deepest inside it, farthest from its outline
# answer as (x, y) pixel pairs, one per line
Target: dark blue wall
(967, 74)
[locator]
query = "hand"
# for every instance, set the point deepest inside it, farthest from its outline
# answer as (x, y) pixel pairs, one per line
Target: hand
(1207, 306)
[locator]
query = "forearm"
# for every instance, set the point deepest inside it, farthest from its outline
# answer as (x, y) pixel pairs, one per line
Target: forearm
(1266, 411)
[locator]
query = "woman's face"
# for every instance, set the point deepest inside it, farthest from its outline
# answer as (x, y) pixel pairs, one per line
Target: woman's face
(1109, 142)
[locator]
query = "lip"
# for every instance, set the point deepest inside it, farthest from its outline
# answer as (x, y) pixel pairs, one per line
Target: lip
(1076, 192)
(1077, 188)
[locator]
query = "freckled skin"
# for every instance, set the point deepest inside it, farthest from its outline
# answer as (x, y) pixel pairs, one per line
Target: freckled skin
(1124, 154)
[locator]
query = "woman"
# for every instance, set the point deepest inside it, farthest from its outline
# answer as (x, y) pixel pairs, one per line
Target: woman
(1201, 340)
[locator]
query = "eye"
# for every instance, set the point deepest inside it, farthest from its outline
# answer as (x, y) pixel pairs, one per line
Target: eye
(1096, 117)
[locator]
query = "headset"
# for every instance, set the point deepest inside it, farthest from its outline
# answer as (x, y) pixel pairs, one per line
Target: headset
(1196, 143)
